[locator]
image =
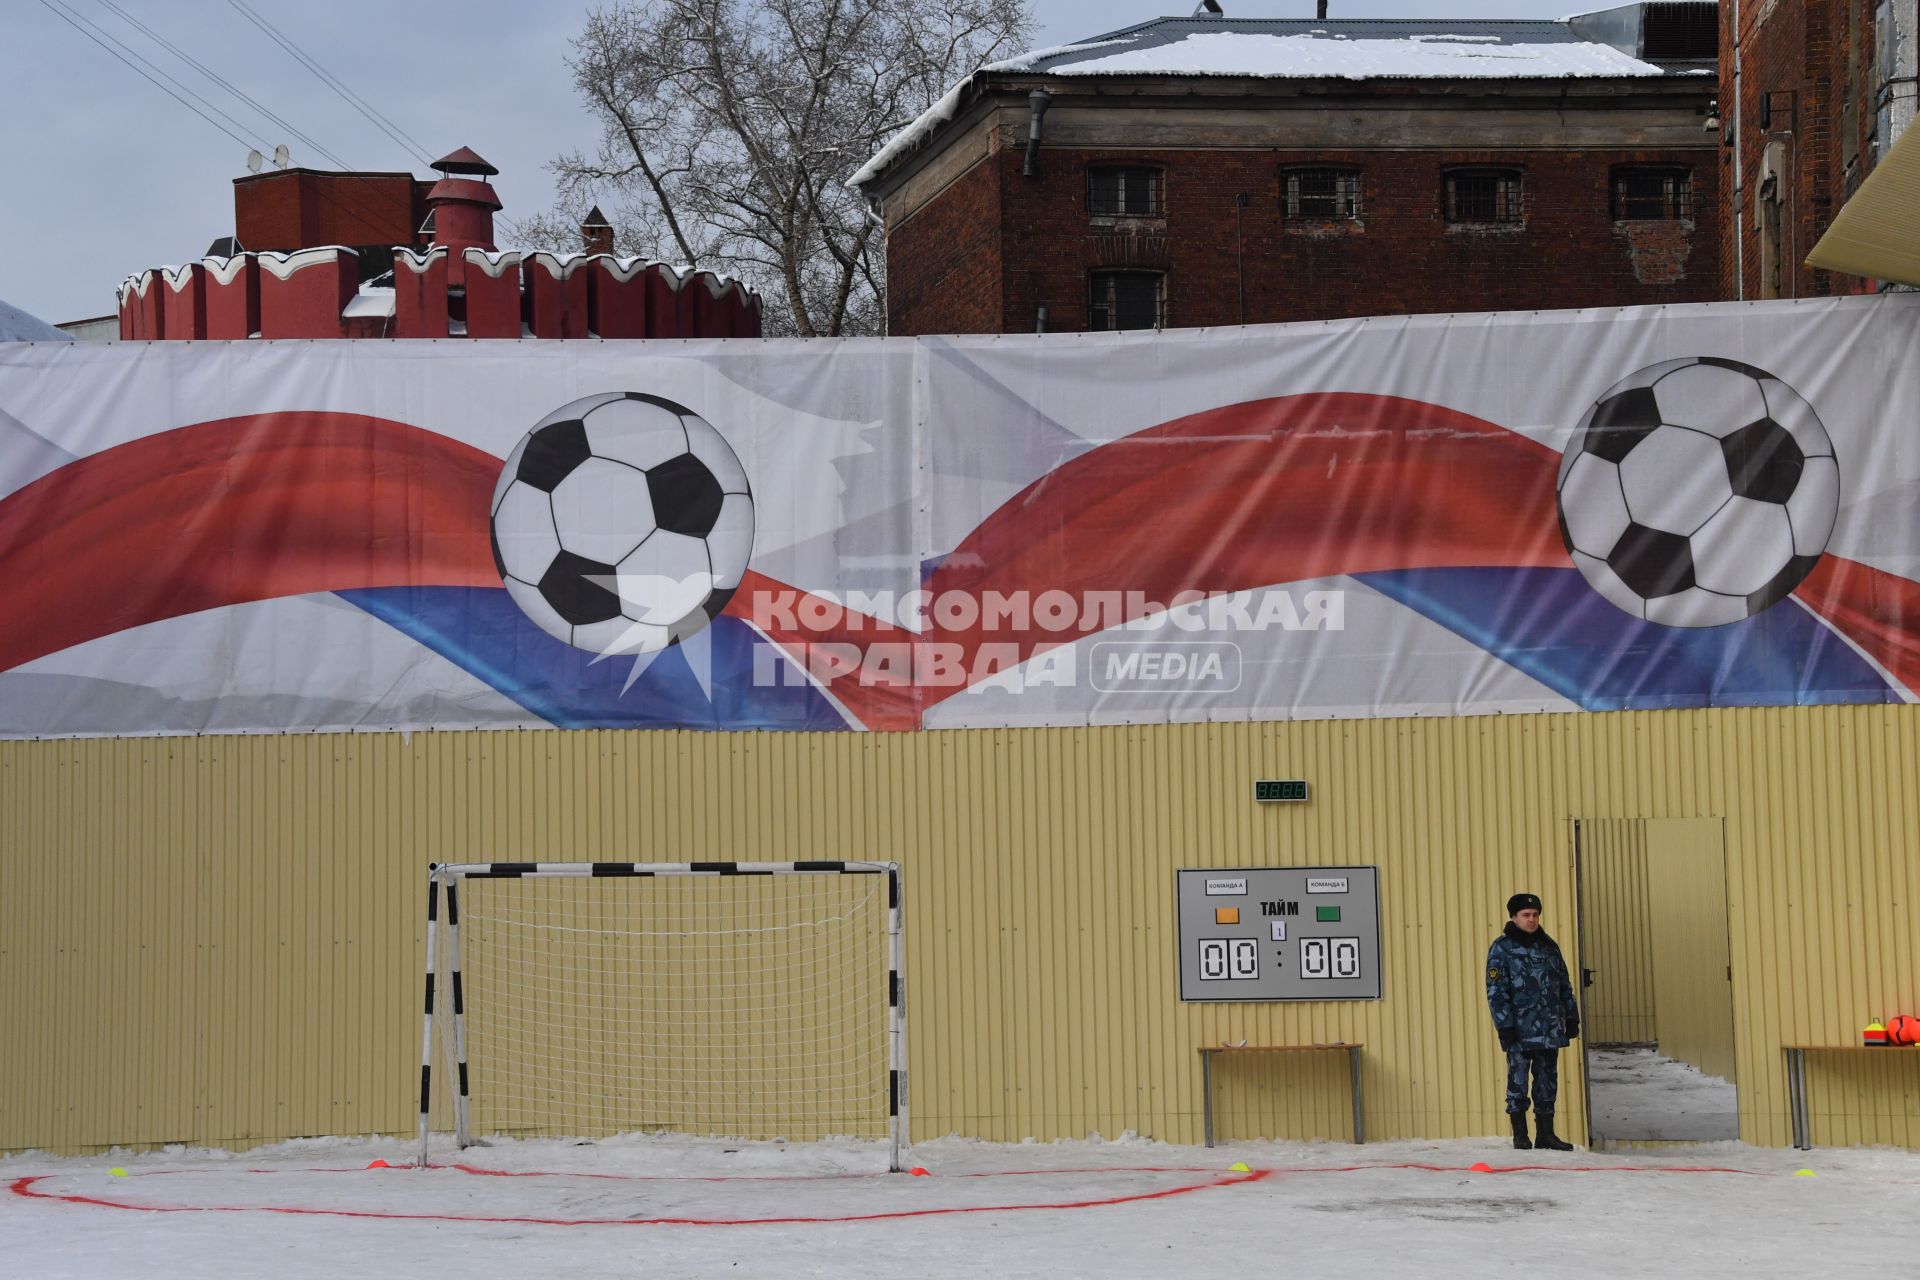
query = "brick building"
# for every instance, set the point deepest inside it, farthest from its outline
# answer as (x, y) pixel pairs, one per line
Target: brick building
(1813, 93)
(319, 254)
(284, 210)
(1220, 170)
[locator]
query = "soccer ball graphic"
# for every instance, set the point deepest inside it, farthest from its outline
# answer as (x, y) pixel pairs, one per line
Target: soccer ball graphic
(1698, 492)
(622, 523)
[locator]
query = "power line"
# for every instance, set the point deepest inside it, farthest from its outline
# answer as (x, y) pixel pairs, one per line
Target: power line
(339, 202)
(148, 71)
(101, 39)
(334, 83)
(179, 53)
(326, 77)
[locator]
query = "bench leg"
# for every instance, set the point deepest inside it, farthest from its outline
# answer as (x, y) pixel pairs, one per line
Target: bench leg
(1359, 1117)
(1206, 1093)
(1797, 1099)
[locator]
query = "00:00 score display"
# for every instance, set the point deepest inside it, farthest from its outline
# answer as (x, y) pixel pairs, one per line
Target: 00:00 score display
(1329, 957)
(1229, 958)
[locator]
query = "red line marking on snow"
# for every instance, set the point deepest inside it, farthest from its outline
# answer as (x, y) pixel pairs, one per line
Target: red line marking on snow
(25, 1187)
(564, 1173)
(773, 1177)
(478, 1172)
(1535, 1168)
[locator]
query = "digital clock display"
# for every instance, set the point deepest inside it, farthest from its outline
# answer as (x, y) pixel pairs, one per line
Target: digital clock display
(1280, 790)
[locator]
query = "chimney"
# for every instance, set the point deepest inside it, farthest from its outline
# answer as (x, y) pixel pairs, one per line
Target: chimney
(462, 207)
(596, 233)
(1322, 14)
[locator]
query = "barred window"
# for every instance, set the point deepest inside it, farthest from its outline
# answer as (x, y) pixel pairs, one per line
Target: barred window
(1484, 195)
(1323, 193)
(1652, 193)
(1127, 300)
(1124, 192)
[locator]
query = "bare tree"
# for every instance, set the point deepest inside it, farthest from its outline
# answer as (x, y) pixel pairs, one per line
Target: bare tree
(729, 129)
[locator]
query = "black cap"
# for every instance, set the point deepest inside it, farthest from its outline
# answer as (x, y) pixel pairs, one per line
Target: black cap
(1522, 902)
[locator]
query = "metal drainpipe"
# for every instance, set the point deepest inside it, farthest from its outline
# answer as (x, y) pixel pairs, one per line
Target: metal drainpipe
(1240, 249)
(1040, 319)
(1037, 103)
(1739, 183)
(877, 215)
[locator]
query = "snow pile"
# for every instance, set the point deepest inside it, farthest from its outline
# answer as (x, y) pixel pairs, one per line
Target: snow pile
(17, 326)
(375, 301)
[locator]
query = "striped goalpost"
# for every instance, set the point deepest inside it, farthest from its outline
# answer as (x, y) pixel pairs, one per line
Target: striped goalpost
(725, 999)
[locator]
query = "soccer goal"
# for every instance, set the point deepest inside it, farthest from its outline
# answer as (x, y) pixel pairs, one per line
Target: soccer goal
(724, 999)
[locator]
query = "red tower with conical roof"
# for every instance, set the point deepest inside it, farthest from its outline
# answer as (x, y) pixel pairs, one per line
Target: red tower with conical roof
(463, 205)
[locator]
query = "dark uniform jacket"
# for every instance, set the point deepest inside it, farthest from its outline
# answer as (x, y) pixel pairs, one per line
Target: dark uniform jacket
(1528, 989)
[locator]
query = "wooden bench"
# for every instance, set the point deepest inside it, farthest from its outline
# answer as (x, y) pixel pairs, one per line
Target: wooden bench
(1797, 1081)
(1207, 1052)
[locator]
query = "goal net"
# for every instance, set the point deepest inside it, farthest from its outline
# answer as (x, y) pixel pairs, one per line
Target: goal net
(736, 1000)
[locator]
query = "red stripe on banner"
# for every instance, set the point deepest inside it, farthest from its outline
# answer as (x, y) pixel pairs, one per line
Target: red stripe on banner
(849, 654)
(1270, 491)
(242, 509)
(1245, 496)
(1877, 610)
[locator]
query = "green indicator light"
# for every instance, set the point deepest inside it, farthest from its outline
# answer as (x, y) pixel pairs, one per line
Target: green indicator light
(1327, 915)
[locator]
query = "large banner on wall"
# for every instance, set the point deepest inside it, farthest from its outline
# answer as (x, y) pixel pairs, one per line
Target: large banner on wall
(1674, 507)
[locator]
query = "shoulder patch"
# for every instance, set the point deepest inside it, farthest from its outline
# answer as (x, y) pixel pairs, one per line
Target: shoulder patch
(1493, 973)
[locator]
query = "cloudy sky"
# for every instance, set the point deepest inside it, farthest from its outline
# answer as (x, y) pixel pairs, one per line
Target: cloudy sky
(105, 174)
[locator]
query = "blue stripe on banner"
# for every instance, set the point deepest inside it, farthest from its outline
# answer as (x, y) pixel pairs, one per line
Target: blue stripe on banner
(1550, 624)
(482, 631)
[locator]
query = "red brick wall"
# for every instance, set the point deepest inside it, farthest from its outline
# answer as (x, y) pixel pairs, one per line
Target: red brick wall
(944, 269)
(301, 209)
(1816, 58)
(1401, 257)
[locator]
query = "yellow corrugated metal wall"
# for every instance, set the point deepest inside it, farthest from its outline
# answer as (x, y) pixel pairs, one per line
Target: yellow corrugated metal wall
(219, 940)
(1619, 1007)
(1692, 968)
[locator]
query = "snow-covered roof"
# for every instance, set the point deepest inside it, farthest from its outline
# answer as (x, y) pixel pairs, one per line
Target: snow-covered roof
(1354, 48)
(372, 300)
(17, 326)
(1349, 51)
(1305, 49)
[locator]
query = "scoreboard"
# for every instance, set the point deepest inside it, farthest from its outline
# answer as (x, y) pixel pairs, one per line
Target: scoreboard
(1279, 933)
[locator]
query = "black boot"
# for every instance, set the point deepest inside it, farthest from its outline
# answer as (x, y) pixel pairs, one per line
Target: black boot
(1520, 1142)
(1545, 1139)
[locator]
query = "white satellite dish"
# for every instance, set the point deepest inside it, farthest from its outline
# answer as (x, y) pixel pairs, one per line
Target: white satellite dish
(280, 156)
(255, 161)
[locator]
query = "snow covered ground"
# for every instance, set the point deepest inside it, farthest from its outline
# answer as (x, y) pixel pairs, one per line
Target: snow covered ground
(313, 1208)
(1637, 1094)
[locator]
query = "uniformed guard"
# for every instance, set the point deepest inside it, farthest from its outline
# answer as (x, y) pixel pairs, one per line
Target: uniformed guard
(1534, 1012)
